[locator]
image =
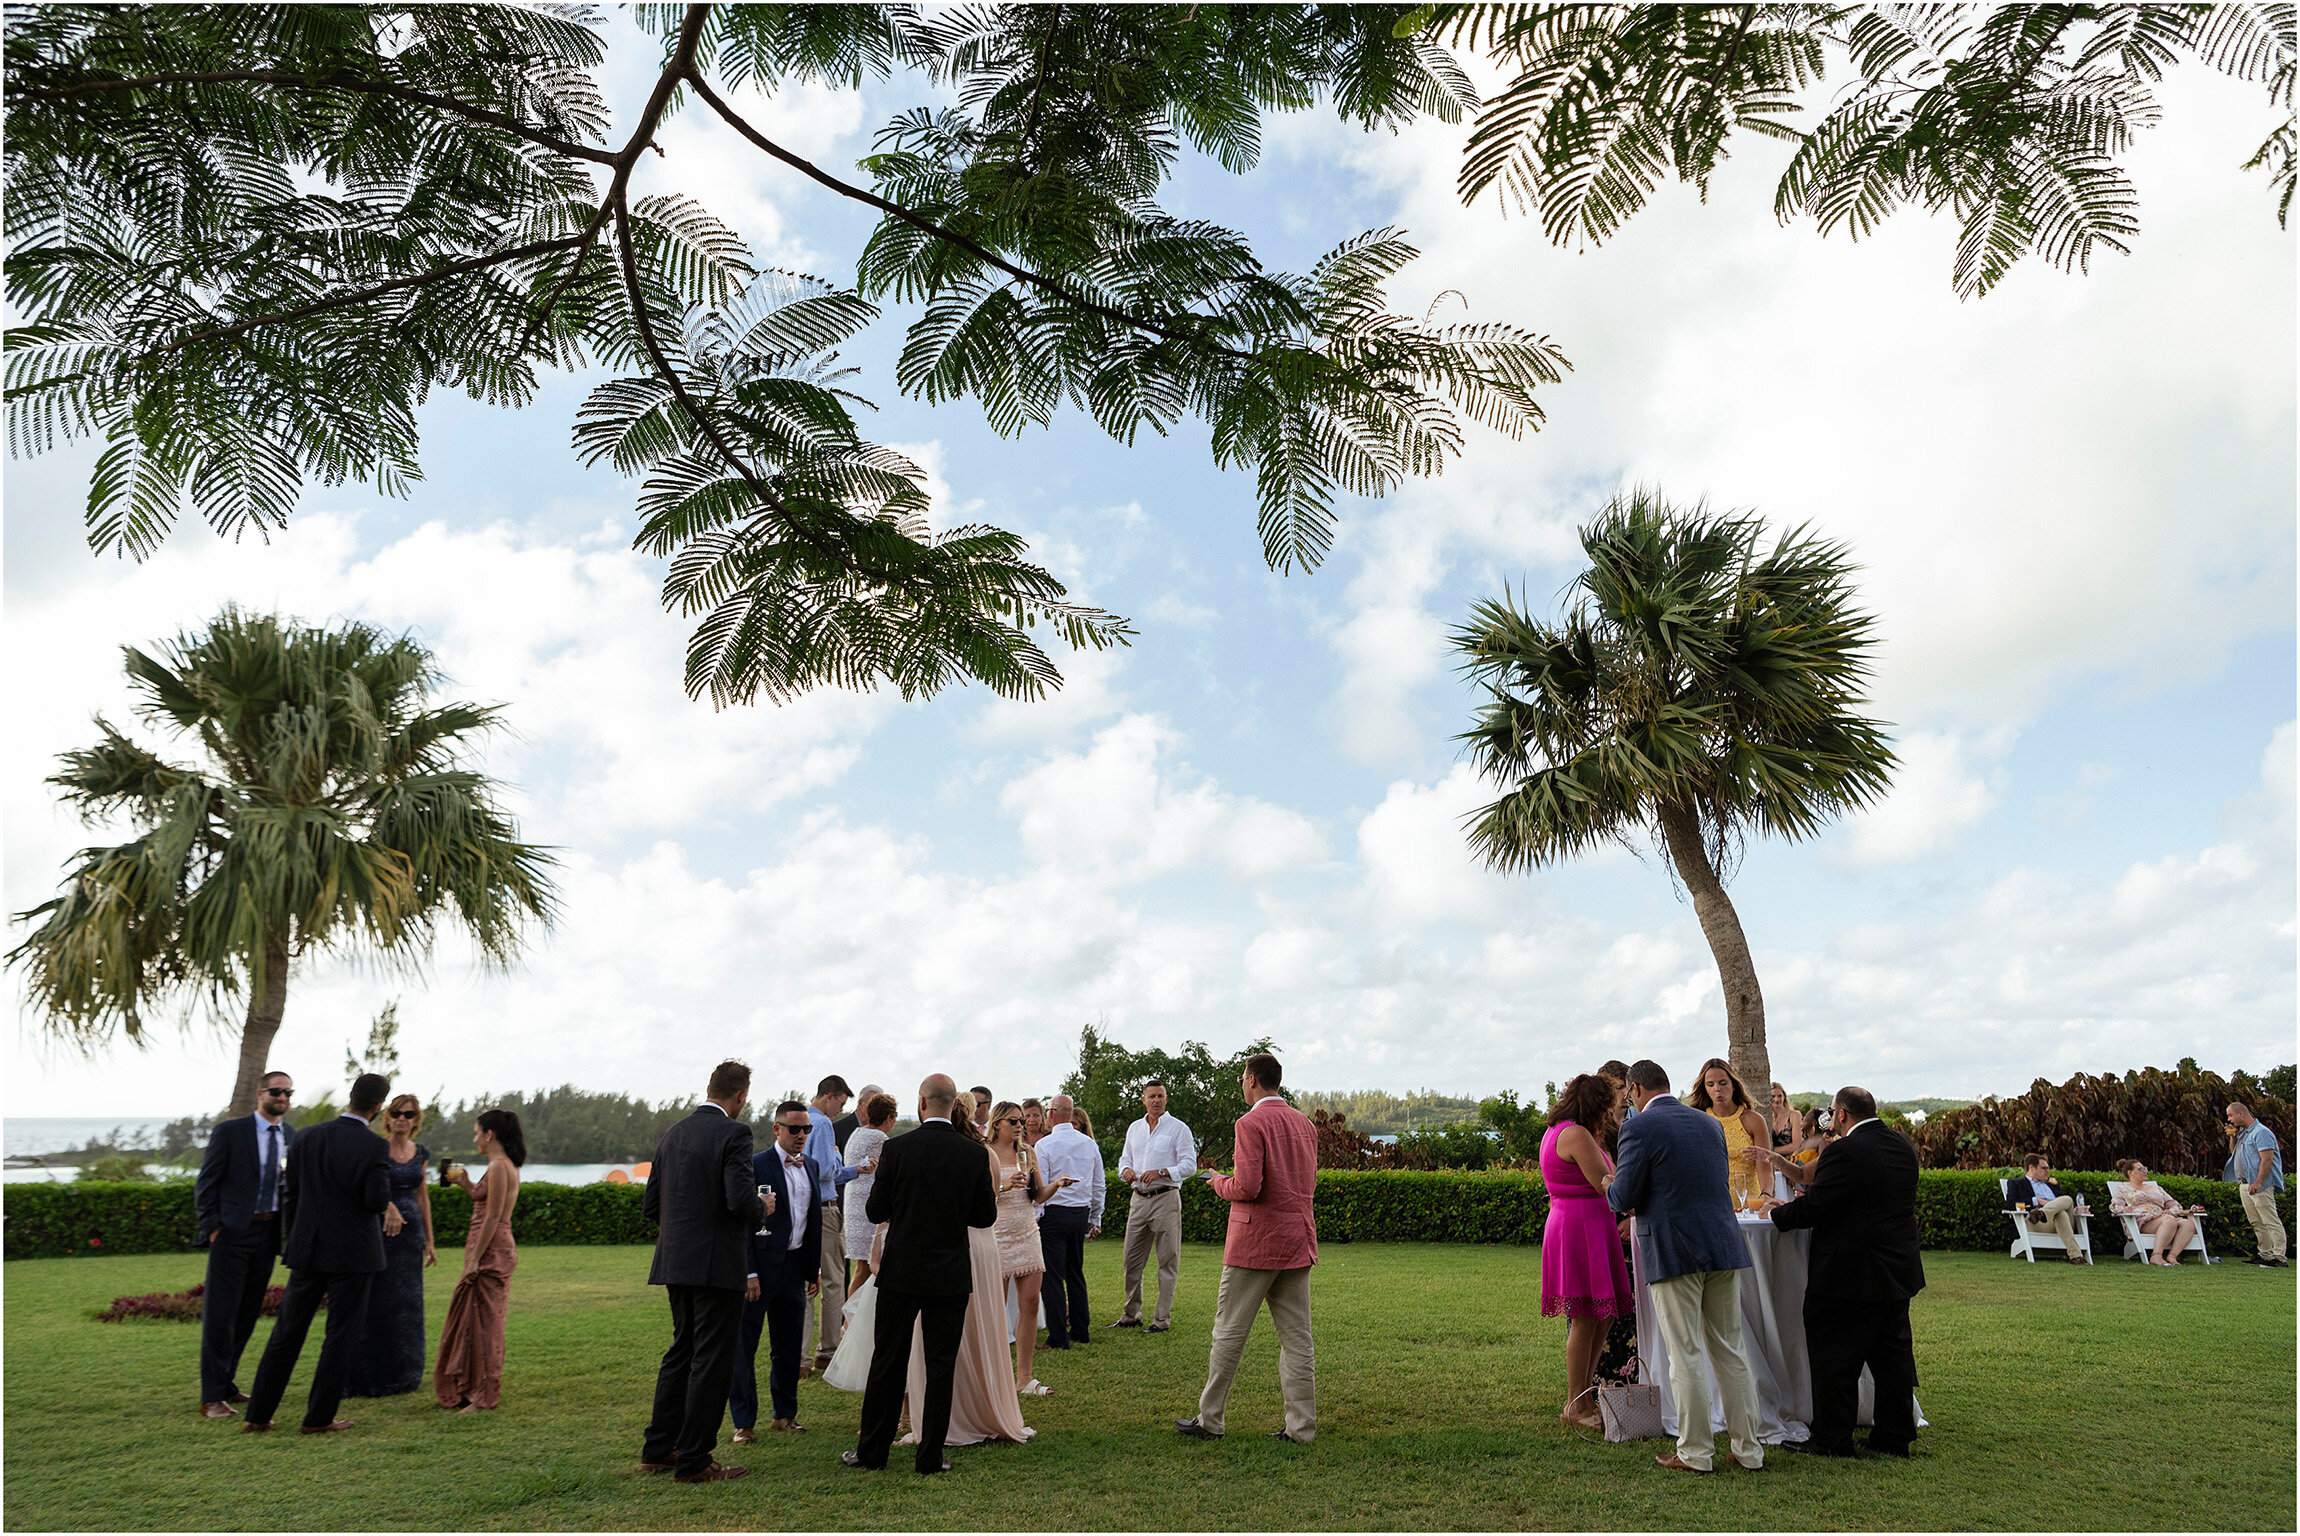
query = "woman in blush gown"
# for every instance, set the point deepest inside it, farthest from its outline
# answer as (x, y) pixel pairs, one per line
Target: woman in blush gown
(983, 1402)
(390, 1356)
(1582, 1275)
(469, 1375)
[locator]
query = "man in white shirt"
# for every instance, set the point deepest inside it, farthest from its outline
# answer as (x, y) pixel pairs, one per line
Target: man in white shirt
(1159, 1155)
(1072, 1215)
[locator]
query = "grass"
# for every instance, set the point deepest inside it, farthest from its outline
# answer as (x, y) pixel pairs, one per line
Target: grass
(1438, 1387)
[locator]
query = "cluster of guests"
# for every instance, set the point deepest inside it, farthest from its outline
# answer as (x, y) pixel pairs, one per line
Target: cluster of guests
(1677, 1174)
(351, 1213)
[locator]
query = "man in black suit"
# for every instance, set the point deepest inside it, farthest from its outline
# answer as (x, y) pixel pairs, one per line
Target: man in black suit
(704, 1199)
(1862, 1209)
(236, 1212)
(786, 1254)
(335, 1204)
(932, 1185)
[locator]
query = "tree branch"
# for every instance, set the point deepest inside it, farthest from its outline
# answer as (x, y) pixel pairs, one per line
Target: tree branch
(339, 301)
(292, 81)
(950, 236)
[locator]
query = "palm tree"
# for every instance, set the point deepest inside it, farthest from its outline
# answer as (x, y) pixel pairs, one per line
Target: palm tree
(1696, 689)
(330, 814)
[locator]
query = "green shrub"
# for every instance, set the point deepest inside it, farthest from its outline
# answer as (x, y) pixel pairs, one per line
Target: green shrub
(1956, 1208)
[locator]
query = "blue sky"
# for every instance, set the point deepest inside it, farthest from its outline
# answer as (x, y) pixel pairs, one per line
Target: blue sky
(2074, 501)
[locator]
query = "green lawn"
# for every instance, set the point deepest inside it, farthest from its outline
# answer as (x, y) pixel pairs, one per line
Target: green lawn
(1438, 1384)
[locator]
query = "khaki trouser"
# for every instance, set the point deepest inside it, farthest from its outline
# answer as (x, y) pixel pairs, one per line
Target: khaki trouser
(1241, 1295)
(1153, 1220)
(2267, 1226)
(825, 1314)
(1706, 1308)
(2057, 1213)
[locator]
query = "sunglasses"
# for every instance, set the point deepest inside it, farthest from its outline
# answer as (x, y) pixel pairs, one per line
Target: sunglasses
(786, 1125)
(402, 1114)
(279, 1093)
(1011, 1120)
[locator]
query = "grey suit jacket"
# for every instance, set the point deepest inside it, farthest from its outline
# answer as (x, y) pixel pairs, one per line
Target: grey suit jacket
(1672, 1173)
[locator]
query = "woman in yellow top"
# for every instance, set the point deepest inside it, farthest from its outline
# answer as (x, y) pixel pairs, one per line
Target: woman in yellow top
(1722, 1097)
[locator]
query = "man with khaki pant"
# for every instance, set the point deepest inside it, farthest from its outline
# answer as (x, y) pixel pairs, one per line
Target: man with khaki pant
(1267, 1257)
(1160, 1153)
(2048, 1205)
(2256, 1167)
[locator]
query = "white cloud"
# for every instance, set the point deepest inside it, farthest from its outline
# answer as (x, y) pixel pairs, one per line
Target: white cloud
(1946, 782)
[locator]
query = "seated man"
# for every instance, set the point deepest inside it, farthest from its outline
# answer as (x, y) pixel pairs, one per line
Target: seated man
(2041, 1193)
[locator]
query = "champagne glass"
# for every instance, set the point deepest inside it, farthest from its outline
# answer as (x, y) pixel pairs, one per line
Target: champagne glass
(766, 1199)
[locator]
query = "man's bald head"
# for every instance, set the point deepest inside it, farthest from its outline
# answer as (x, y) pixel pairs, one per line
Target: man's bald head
(936, 1096)
(1058, 1109)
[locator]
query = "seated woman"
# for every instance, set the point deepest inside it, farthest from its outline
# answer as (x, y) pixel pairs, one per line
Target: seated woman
(2161, 1216)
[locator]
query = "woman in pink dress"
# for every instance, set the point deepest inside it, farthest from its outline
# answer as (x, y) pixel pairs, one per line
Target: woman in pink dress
(469, 1375)
(1582, 1274)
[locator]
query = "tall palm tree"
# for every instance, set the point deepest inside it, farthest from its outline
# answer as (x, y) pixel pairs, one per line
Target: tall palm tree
(1697, 688)
(330, 814)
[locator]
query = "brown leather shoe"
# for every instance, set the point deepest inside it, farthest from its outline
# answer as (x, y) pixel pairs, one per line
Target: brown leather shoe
(331, 1427)
(253, 1427)
(217, 1411)
(745, 1436)
(235, 1397)
(667, 1464)
(1676, 1464)
(787, 1427)
(716, 1472)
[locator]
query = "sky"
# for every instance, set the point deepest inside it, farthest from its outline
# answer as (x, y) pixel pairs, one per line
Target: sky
(2073, 502)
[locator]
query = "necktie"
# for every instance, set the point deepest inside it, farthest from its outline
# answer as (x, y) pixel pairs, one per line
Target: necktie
(267, 1178)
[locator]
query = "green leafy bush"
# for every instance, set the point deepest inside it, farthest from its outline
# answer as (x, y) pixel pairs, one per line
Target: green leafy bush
(1956, 1208)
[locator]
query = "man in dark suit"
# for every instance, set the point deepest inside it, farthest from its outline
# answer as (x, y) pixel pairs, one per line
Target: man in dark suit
(335, 1204)
(1672, 1177)
(2048, 1203)
(785, 1256)
(704, 1199)
(236, 1212)
(932, 1185)
(1862, 1209)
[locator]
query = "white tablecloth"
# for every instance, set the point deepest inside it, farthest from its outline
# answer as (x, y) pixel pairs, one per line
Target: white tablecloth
(1772, 1334)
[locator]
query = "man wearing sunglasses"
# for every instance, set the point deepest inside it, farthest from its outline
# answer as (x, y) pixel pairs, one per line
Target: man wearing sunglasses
(236, 1210)
(786, 1260)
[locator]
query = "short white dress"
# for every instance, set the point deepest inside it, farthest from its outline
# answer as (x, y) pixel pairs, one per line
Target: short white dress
(863, 1144)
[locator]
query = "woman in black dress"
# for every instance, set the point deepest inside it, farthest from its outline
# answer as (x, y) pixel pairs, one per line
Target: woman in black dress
(390, 1358)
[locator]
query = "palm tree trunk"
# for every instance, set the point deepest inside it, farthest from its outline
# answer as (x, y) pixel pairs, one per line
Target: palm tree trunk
(1721, 926)
(267, 1005)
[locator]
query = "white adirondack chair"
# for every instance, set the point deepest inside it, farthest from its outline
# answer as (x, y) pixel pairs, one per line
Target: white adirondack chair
(2139, 1244)
(2029, 1240)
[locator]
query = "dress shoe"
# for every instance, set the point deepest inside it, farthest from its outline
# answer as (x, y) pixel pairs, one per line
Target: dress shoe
(1744, 1466)
(331, 1427)
(1195, 1430)
(1676, 1463)
(744, 1436)
(854, 1460)
(786, 1426)
(716, 1472)
(235, 1397)
(1279, 1434)
(931, 1471)
(217, 1411)
(1125, 1322)
(1157, 1327)
(255, 1427)
(667, 1464)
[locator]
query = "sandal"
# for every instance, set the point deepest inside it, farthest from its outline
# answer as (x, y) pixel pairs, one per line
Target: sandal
(1037, 1388)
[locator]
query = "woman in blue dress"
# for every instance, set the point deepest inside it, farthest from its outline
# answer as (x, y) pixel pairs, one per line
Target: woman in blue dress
(391, 1355)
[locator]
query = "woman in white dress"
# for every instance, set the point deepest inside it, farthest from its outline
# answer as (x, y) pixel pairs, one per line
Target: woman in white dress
(876, 1115)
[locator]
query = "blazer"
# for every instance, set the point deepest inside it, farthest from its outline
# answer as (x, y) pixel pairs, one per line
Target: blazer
(231, 1176)
(331, 1202)
(780, 1268)
(1862, 1209)
(704, 1202)
(2018, 1187)
(1272, 1189)
(1672, 1173)
(932, 1185)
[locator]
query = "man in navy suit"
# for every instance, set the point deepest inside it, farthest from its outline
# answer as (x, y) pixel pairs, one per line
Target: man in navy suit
(786, 1261)
(236, 1210)
(1672, 1177)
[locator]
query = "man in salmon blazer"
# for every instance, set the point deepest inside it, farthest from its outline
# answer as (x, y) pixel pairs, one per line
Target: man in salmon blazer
(1273, 1242)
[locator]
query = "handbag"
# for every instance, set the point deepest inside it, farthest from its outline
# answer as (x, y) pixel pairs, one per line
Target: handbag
(1631, 1412)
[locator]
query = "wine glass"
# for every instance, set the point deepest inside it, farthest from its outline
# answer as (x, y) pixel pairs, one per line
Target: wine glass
(766, 1199)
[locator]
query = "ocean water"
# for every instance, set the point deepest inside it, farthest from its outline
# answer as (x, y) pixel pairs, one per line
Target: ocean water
(35, 1135)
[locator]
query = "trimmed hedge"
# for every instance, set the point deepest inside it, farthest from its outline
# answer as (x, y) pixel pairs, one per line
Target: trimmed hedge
(1956, 1208)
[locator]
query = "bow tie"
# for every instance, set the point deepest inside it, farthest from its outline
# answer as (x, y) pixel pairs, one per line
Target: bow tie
(794, 1162)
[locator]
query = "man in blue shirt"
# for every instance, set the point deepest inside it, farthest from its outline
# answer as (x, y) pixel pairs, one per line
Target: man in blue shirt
(831, 1172)
(2256, 1168)
(2049, 1205)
